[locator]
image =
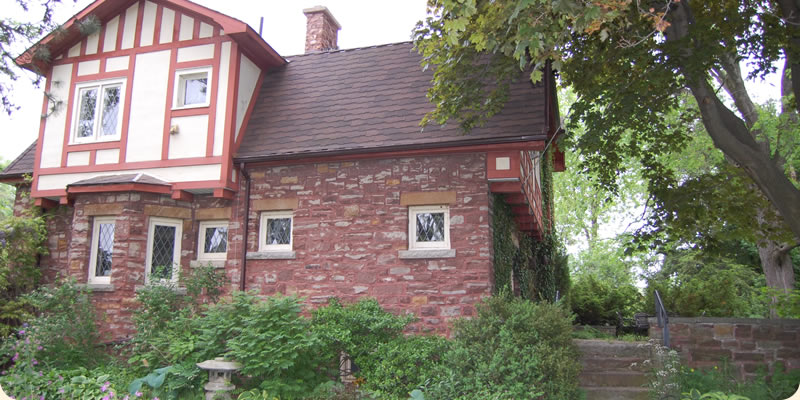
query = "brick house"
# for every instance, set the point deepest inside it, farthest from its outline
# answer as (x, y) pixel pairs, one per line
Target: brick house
(176, 136)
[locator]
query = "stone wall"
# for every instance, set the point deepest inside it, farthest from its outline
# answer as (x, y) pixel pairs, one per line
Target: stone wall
(747, 344)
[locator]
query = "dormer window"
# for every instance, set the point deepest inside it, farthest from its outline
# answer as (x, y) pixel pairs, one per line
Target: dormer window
(192, 88)
(98, 111)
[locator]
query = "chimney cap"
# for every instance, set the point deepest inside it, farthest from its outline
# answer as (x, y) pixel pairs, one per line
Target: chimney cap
(324, 10)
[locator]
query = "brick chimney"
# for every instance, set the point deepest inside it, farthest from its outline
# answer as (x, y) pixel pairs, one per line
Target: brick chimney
(322, 30)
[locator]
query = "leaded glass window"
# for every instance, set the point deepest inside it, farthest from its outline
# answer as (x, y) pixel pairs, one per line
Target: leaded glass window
(213, 240)
(98, 111)
(429, 227)
(276, 231)
(102, 250)
(163, 249)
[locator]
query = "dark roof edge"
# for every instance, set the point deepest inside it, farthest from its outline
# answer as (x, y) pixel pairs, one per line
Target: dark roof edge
(13, 163)
(407, 147)
(317, 53)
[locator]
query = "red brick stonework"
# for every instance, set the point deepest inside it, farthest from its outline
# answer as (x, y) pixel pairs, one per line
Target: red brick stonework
(349, 226)
(322, 30)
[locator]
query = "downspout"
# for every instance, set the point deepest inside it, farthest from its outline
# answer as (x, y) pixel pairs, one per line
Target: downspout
(246, 225)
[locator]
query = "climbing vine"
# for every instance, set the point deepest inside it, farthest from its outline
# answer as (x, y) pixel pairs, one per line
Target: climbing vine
(540, 267)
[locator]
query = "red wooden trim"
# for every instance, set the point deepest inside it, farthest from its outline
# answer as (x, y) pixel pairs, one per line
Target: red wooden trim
(173, 57)
(124, 187)
(249, 111)
(66, 201)
(137, 35)
(157, 28)
(182, 195)
(212, 106)
(223, 194)
(45, 203)
(48, 193)
(92, 157)
(476, 148)
(126, 110)
(230, 113)
(521, 210)
(176, 27)
(196, 29)
(37, 159)
(138, 50)
(189, 112)
(216, 30)
(68, 123)
(120, 30)
(100, 40)
(196, 185)
(101, 75)
(18, 180)
(505, 187)
(83, 46)
(180, 162)
(491, 165)
(196, 63)
(515, 198)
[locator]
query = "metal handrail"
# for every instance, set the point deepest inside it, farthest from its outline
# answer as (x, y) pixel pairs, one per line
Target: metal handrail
(663, 318)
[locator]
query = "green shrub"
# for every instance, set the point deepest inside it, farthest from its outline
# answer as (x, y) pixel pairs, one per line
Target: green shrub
(513, 349)
(780, 385)
(596, 302)
(401, 365)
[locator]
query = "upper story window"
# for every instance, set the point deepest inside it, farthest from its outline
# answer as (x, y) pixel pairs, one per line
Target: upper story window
(213, 240)
(98, 111)
(192, 88)
(428, 227)
(276, 231)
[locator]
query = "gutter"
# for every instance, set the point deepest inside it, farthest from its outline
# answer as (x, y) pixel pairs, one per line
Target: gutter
(243, 268)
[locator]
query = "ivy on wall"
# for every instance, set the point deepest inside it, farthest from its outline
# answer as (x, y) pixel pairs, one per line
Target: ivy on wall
(540, 267)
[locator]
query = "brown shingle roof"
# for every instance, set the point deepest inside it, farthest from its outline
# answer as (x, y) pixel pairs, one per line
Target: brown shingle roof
(120, 179)
(22, 165)
(368, 99)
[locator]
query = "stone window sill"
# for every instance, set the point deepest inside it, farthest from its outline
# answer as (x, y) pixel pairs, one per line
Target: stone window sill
(179, 290)
(203, 263)
(271, 255)
(427, 253)
(97, 287)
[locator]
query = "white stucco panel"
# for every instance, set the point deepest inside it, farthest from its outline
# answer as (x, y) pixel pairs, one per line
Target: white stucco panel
(190, 141)
(167, 22)
(222, 97)
(203, 52)
(248, 78)
(206, 30)
(88, 67)
(129, 33)
(53, 141)
(187, 27)
(77, 158)
(110, 37)
(74, 51)
(148, 23)
(117, 63)
(148, 100)
(191, 173)
(108, 156)
(92, 42)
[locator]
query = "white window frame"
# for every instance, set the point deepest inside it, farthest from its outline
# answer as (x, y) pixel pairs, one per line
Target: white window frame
(201, 241)
(180, 85)
(76, 108)
(262, 237)
(93, 278)
(176, 255)
(413, 244)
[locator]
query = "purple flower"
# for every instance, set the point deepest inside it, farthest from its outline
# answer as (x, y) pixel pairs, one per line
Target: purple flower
(61, 390)
(25, 325)
(39, 348)
(34, 362)
(106, 398)
(104, 387)
(138, 394)
(125, 398)
(16, 356)
(22, 332)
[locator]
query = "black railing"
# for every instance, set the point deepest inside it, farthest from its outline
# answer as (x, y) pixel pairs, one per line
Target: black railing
(663, 319)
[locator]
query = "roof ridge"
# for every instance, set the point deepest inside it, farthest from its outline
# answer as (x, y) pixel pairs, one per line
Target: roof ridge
(350, 49)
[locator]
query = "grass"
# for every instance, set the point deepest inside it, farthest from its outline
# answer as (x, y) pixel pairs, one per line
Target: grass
(588, 332)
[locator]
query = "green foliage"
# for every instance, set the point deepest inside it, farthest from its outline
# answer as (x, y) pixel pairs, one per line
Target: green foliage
(79, 383)
(785, 303)
(513, 349)
(401, 365)
(508, 258)
(692, 285)
(723, 379)
(696, 395)
(596, 302)
(355, 329)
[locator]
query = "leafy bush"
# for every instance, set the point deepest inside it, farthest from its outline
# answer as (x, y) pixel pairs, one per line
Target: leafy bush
(401, 365)
(513, 349)
(780, 385)
(596, 302)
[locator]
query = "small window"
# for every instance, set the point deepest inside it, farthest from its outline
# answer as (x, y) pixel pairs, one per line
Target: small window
(98, 111)
(100, 260)
(276, 231)
(192, 88)
(163, 250)
(213, 240)
(428, 227)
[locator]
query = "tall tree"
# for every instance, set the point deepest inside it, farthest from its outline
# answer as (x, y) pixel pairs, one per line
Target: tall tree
(629, 61)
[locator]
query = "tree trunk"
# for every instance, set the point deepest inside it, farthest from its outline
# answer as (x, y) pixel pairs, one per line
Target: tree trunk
(778, 268)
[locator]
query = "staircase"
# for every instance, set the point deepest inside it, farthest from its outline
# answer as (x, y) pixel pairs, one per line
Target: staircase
(613, 369)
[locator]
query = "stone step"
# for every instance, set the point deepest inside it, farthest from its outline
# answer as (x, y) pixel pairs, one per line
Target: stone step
(612, 393)
(591, 348)
(600, 364)
(618, 379)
